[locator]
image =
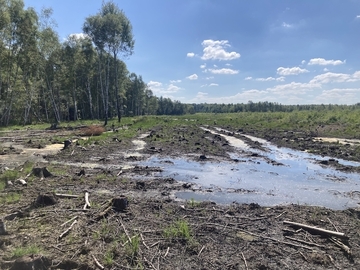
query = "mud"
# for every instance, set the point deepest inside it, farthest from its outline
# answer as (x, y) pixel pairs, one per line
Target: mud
(153, 229)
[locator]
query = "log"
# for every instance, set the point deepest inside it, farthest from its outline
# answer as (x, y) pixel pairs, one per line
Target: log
(66, 195)
(315, 229)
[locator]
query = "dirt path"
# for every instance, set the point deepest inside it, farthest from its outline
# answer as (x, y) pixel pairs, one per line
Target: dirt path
(133, 221)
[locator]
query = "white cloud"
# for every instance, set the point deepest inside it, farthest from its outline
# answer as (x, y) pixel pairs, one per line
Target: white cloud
(192, 77)
(228, 65)
(201, 95)
(190, 54)
(213, 84)
(279, 79)
(331, 77)
(323, 62)
(287, 25)
(209, 78)
(203, 66)
(303, 62)
(248, 78)
(172, 89)
(175, 81)
(215, 66)
(78, 36)
(154, 84)
(326, 69)
(228, 71)
(294, 87)
(291, 71)
(358, 17)
(338, 96)
(215, 49)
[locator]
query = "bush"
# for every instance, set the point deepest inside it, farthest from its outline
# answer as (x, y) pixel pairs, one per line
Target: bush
(93, 130)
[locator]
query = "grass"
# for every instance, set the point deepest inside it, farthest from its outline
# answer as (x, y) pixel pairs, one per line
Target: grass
(179, 229)
(22, 251)
(9, 198)
(132, 247)
(8, 175)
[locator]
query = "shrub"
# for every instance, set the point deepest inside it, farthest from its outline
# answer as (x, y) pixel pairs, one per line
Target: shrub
(93, 130)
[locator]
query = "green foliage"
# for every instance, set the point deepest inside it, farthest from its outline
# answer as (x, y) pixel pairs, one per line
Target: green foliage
(28, 250)
(179, 229)
(10, 198)
(9, 175)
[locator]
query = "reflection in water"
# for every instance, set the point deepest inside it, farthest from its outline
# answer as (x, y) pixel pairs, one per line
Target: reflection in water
(300, 180)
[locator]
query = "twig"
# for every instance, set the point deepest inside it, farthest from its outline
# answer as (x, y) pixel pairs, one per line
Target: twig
(142, 238)
(333, 224)
(87, 203)
(201, 250)
(341, 245)
(319, 230)
(122, 225)
(68, 221)
(246, 266)
(146, 260)
(155, 244)
(304, 242)
(97, 263)
(280, 214)
(67, 230)
(66, 195)
(167, 251)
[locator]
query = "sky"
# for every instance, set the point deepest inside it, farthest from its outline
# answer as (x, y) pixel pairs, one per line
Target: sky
(236, 51)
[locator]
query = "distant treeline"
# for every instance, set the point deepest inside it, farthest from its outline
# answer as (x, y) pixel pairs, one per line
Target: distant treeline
(263, 107)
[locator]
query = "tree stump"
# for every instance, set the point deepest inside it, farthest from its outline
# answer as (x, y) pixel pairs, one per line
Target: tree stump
(41, 172)
(32, 262)
(67, 143)
(119, 204)
(45, 200)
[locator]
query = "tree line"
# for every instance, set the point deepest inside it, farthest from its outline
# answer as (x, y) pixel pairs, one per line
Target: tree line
(83, 77)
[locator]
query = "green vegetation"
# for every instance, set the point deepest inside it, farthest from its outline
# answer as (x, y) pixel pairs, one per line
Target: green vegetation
(179, 229)
(22, 251)
(8, 175)
(10, 198)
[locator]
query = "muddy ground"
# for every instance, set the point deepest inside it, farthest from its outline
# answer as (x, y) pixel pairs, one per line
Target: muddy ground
(135, 222)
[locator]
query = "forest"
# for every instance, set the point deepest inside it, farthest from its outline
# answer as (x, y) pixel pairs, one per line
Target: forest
(44, 80)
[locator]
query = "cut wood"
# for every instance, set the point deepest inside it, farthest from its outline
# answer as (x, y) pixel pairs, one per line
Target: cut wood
(66, 195)
(97, 263)
(315, 229)
(67, 230)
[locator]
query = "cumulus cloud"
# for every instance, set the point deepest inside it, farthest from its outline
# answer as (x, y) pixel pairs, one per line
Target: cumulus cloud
(175, 81)
(338, 96)
(294, 87)
(213, 84)
(216, 50)
(331, 77)
(291, 71)
(154, 84)
(248, 78)
(268, 79)
(209, 78)
(78, 36)
(323, 62)
(228, 65)
(228, 71)
(190, 54)
(358, 17)
(164, 90)
(203, 66)
(192, 77)
(303, 62)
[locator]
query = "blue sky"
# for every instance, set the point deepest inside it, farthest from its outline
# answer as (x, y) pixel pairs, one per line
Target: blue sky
(232, 51)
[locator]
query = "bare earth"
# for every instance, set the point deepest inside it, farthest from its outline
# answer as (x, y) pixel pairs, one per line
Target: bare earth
(135, 222)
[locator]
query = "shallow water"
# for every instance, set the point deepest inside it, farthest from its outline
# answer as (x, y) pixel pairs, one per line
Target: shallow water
(252, 180)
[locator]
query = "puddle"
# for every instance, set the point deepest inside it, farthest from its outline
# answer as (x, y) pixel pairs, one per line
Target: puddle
(298, 181)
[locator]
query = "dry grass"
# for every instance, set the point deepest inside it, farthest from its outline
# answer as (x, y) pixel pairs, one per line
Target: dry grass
(93, 130)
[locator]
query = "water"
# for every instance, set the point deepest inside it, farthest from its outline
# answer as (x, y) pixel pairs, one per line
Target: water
(253, 180)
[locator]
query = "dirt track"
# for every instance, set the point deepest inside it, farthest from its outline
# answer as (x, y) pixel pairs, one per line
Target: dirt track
(154, 231)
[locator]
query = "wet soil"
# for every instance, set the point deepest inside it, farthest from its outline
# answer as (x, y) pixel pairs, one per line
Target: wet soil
(134, 220)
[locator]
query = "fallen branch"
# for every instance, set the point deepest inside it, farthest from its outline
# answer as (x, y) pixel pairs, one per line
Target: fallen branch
(97, 263)
(66, 195)
(67, 230)
(280, 214)
(318, 230)
(304, 242)
(68, 221)
(341, 245)
(246, 266)
(87, 203)
(167, 251)
(201, 250)
(142, 238)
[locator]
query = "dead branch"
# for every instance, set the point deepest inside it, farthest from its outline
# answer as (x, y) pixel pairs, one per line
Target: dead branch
(304, 242)
(318, 230)
(341, 245)
(246, 266)
(97, 263)
(142, 238)
(280, 215)
(201, 250)
(66, 195)
(167, 251)
(67, 230)
(68, 221)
